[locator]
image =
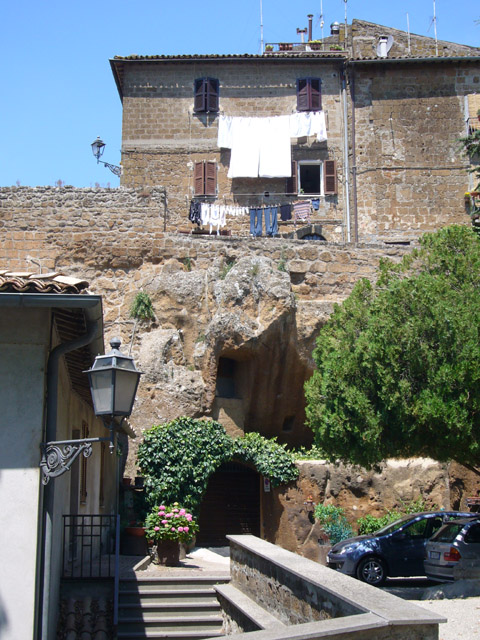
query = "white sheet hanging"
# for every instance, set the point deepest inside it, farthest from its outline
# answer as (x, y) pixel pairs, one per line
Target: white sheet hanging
(261, 146)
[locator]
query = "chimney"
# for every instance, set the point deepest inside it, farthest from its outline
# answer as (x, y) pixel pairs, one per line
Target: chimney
(310, 18)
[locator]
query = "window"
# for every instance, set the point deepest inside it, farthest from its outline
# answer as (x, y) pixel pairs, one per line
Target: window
(313, 177)
(205, 178)
(309, 94)
(206, 93)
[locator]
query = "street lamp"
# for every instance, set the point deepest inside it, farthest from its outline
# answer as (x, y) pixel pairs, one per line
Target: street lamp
(113, 382)
(98, 147)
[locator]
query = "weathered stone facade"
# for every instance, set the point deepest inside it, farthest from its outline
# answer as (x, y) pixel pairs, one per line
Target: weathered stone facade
(393, 126)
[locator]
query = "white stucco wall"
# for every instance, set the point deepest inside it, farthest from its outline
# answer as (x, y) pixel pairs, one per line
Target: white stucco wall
(24, 336)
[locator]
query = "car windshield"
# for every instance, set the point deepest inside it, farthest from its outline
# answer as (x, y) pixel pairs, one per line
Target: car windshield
(393, 526)
(448, 532)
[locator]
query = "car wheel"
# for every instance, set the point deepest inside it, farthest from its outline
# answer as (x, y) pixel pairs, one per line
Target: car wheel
(372, 571)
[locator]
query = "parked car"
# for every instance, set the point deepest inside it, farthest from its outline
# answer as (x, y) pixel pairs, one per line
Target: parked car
(397, 549)
(451, 546)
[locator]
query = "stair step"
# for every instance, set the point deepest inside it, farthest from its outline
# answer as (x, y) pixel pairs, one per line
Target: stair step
(177, 635)
(173, 582)
(161, 609)
(175, 624)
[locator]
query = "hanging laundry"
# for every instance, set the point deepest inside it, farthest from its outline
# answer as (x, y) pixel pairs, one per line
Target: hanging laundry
(256, 222)
(261, 147)
(301, 211)
(271, 221)
(194, 214)
(286, 212)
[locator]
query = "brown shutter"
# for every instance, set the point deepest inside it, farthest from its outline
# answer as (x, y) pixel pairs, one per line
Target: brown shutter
(199, 95)
(315, 94)
(210, 178)
(198, 181)
(291, 183)
(302, 94)
(330, 177)
(212, 94)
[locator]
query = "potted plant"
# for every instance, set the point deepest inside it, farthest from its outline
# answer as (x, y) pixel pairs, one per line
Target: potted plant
(336, 47)
(315, 45)
(168, 526)
(269, 47)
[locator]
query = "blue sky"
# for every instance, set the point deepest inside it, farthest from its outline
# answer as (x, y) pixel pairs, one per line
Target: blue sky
(58, 92)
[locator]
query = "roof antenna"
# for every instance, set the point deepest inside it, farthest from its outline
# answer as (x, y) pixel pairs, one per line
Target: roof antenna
(345, 35)
(435, 28)
(261, 27)
(408, 34)
(321, 17)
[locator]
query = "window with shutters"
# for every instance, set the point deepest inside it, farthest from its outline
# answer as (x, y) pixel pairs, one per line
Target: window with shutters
(205, 178)
(206, 94)
(309, 94)
(310, 177)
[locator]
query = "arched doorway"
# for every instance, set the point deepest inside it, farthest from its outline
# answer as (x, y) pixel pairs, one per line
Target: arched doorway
(231, 505)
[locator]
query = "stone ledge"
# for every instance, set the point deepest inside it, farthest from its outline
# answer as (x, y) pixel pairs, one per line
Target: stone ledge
(247, 607)
(343, 592)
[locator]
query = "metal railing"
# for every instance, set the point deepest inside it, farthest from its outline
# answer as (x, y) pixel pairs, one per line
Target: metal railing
(90, 546)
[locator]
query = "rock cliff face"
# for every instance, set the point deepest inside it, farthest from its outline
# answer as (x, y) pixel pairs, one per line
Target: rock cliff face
(230, 341)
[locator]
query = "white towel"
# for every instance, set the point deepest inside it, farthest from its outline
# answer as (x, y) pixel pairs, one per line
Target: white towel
(308, 123)
(224, 140)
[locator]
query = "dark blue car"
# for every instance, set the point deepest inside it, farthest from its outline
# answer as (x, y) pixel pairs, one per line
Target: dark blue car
(396, 550)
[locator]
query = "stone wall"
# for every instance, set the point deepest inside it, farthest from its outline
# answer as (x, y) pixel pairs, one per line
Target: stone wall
(410, 173)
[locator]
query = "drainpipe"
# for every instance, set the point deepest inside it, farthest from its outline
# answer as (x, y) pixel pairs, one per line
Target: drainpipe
(47, 632)
(354, 157)
(345, 153)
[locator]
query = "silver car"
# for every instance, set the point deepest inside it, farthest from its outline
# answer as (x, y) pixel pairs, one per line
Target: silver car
(455, 544)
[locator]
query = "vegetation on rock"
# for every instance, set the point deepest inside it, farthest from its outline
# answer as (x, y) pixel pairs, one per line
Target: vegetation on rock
(370, 524)
(398, 363)
(333, 522)
(142, 308)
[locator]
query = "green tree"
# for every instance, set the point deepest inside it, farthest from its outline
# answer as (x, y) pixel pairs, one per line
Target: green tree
(398, 363)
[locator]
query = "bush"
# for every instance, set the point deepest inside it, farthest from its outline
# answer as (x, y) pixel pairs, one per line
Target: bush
(333, 522)
(371, 524)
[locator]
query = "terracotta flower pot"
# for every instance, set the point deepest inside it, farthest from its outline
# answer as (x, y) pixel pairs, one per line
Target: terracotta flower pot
(168, 552)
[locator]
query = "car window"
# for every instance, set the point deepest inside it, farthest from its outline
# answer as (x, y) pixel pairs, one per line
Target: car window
(473, 534)
(448, 532)
(390, 528)
(416, 529)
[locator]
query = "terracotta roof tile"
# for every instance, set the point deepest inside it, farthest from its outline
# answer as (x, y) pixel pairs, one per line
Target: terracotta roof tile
(28, 282)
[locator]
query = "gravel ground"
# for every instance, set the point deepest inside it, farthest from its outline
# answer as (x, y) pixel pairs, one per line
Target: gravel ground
(463, 617)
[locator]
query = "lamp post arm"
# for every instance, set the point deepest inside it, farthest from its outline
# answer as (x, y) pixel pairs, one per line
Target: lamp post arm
(59, 455)
(113, 167)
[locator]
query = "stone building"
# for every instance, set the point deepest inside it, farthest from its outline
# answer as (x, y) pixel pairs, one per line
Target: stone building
(247, 131)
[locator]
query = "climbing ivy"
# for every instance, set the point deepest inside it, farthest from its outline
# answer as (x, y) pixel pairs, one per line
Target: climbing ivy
(178, 458)
(270, 459)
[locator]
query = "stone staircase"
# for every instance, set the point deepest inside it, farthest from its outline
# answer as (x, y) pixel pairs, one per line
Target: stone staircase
(176, 607)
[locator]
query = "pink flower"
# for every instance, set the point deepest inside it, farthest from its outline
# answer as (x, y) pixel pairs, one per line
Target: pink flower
(186, 529)
(168, 515)
(162, 508)
(182, 512)
(173, 529)
(156, 528)
(175, 510)
(188, 517)
(164, 521)
(180, 529)
(161, 513)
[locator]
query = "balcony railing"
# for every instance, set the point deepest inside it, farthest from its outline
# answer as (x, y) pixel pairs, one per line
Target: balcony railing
(302, 47)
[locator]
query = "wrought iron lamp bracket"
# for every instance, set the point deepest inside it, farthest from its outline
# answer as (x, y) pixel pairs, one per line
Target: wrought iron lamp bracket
(59, 455)
(113, 167)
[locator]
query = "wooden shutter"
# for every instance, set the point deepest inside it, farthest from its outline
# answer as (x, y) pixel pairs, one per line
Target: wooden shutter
(212, 86)
(315, 94)
(198, 178)
(210, 178)
(291, 183)
(330, 177)
(302, 94)
(199, 95)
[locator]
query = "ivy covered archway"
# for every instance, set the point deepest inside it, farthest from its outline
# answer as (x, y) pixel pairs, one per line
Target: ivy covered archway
(178, 458)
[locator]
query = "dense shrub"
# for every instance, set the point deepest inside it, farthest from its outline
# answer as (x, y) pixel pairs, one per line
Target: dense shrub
(333, 522)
